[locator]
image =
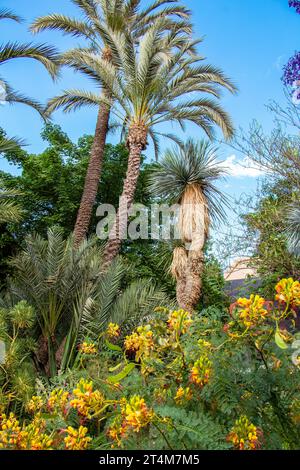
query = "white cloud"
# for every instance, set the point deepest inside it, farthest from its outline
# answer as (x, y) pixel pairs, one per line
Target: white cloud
(242, 168)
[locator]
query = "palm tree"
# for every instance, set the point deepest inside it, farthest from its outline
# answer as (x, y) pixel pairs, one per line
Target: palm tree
(293, 229)
(187, 176)
(150, 88)
(98, 16)
(72, 300)
(44, 54)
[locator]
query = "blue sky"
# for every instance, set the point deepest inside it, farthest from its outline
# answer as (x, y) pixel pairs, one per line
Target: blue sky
(249, 40)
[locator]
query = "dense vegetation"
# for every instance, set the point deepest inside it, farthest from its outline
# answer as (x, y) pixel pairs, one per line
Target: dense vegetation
(134, 344)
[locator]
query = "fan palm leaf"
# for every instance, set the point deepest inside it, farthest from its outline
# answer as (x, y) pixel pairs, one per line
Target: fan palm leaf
(71, 296)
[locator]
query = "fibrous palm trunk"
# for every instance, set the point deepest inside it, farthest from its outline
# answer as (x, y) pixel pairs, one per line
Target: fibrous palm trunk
(136, 142)
(93, 174)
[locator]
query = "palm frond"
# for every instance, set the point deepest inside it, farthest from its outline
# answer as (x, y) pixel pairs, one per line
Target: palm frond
(10, 210)
(63, 23)
(10, 144)
(6, 14)
(46, 55)
(13, 97)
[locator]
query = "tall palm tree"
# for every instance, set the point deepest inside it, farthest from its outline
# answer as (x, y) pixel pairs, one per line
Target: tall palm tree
(44, 54)
(72, 300)
(151, 88)
(98, 15)
(293, 229)
(187, 176)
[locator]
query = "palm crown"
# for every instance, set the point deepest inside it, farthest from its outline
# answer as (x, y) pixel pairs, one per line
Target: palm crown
(151, 86)
(118, 15)
(194, 164)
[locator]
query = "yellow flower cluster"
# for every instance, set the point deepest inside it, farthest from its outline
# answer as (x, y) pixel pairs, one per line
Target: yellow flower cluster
(31, 437)
(77, 439)
(201, 371)
(183, 395)
(179, 321)
(288, 292)
(134, 415)
(58, 401)
(139, 343)
(244, 435)
(113, 331)
(88, 348)
(87, 401)
(35, 404)
(251, 311)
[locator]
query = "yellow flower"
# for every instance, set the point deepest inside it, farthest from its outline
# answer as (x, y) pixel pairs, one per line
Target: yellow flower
(201, 371)
(179, 321)
(288, 292)
(251, 311)
(244, 435)
(139, 343)
(113, 330)
(87, 401)
(9, 431)
(58, 401)
(88, 348)
(183, 395)
(135, 413)
(77, 439)
(35, 404)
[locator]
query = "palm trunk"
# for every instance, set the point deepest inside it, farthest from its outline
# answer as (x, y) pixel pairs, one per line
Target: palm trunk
(92, 176)
(137, 140)
(190, 290)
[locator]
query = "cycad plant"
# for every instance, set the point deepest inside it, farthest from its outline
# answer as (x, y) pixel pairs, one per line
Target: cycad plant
(43, 53)
(98, 17)
(293, 229)
(71, 299)
(187, 176)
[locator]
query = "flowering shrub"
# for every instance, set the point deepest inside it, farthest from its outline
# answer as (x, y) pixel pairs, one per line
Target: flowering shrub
(244, 435)
(181, 380)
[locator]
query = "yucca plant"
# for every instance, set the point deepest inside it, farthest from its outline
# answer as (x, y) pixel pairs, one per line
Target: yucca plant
(187, 176)
(70, 296)
(293, 229)
(43, 53)
(98, 17)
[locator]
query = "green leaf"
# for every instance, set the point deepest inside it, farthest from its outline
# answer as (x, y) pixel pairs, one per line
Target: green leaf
(112, 369)
(117, 378)
(113, 347)
(279, 340)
